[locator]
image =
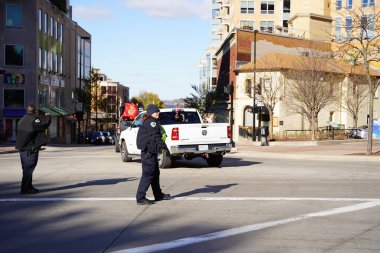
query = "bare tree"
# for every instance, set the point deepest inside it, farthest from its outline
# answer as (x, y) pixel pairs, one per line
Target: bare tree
(357, 92)
(270, 88)
(311, 86)
(359, 42)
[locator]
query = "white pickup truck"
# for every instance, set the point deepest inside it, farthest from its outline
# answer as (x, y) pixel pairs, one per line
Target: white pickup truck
(187, 137)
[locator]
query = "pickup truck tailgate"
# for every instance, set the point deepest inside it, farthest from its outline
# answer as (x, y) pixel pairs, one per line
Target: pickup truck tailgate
(200, 133)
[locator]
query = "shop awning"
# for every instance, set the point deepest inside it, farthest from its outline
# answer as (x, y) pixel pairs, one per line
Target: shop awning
(61, 110)
(14, 113)
(51, 112)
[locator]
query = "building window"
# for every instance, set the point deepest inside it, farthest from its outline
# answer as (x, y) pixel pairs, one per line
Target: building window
(246, 24)
(87, 56)
(338, 4)
(56, 29)
(370, 26)
(248, 116)
(50, 62)
(267, 7)
(349, 4)
(338, 28)
(286, 6)
(14, 55)
(366, 3)
(45, 60)
(40, 19)
(13, 98)
(61, 65)
(13, 15)
(248, 87)
(267, 26)
(40, 58)
(61, 34)
(55, 62)
(51, 26)
(42, 97)
(349, 26)
(45, 23)
(247, 7)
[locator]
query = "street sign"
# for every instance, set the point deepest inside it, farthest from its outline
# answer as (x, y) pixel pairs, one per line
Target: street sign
(79, 107)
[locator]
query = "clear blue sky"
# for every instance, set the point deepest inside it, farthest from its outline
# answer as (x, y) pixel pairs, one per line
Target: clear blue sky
(147, 45)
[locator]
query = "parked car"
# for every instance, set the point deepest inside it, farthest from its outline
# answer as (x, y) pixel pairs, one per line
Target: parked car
(358, 133)
(95, 137)
(108, 138)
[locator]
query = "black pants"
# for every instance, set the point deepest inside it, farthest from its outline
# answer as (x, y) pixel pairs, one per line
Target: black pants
(28, 162)
(150, 177)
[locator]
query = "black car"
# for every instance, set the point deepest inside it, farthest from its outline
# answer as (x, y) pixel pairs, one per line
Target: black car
(95, 137)
(108, 138)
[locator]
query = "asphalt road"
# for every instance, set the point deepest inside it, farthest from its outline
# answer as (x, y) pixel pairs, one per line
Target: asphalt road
(251, 204)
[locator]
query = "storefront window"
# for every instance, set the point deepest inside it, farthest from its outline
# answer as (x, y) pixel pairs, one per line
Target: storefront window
(13, 98)
(14, 55)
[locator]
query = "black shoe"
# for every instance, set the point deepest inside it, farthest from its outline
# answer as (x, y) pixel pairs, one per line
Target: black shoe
(164, 197)
(42, 148)
(31, 191)
(145, 202)
(35, 189)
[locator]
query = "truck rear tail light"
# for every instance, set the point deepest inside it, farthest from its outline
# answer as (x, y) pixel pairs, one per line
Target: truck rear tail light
(175, 134)
(228, 132)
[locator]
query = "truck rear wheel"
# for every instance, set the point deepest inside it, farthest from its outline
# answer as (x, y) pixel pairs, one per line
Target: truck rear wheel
(124, 153)
(214, 160)
(164, 160)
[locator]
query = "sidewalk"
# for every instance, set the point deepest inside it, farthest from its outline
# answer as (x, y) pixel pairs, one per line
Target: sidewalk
(9, 148)
(354, 150)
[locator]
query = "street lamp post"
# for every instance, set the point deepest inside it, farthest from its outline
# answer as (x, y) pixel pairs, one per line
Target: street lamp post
(253, 86)
(231, 91)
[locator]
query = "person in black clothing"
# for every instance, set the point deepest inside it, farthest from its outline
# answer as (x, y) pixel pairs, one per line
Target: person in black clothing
(150, 143)
(30, 137)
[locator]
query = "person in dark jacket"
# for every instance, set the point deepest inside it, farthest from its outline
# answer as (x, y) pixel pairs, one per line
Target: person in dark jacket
(150, 143)
(30, 137)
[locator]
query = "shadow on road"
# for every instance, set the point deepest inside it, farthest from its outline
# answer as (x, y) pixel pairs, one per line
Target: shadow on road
(199, 163)
(110, 181)
(206, 189)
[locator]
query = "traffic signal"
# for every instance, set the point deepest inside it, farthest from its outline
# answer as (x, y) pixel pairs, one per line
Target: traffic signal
(78, 115)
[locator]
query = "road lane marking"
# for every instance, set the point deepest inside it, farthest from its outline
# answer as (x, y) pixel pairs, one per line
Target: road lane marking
(42, 199)
(245, 229)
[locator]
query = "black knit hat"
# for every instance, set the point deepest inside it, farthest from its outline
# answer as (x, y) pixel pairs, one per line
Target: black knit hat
(152, 108)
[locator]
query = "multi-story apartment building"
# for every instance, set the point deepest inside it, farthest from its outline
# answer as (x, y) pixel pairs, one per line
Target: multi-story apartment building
(114, 93)
(311, 24)
(323, 20)
(228, 15)
(44, 57)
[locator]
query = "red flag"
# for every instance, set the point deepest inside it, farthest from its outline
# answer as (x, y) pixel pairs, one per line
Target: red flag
(130, 111)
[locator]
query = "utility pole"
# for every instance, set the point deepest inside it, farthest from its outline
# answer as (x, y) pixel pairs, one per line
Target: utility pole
(253, 87)
(231, 91)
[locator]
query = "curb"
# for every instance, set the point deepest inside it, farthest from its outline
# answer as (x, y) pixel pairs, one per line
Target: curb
(340, 157)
